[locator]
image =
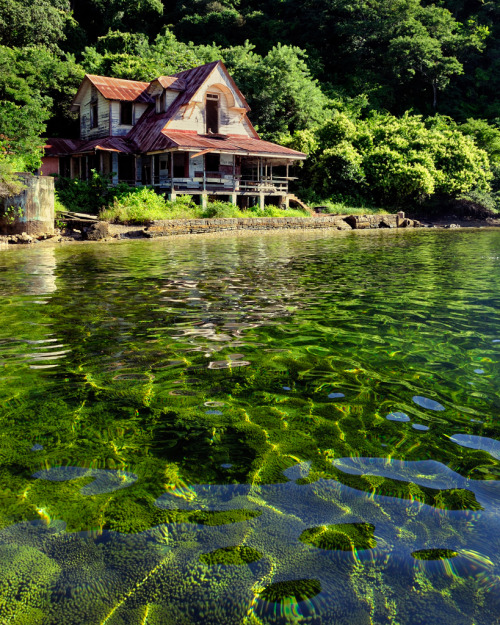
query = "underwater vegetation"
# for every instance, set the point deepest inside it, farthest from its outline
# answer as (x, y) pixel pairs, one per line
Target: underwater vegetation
(252, 430)
(343, 536)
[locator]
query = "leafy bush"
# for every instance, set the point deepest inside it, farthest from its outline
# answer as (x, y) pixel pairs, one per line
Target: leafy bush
(89, 196)
(393, 161)
(144, 204)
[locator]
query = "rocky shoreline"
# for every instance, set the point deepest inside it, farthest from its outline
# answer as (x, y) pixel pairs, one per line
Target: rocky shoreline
(88, 228)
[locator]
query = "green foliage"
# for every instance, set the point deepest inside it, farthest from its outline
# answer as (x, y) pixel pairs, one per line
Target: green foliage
(33, 22)
(140, 205)
(131, 56)
(89, 196)
(393, 160)
(9, 182)
(279, 88)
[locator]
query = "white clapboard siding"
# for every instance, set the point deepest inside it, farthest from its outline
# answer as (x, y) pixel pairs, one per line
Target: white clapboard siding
(231, 121)
(120, 130)
(102, 130)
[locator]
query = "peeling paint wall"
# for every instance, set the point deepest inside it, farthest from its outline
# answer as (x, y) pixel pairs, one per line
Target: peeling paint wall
(32, 211)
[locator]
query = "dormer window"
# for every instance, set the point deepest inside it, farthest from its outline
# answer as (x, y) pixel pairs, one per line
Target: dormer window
(160, 102)
(212, 113)
(126, 109)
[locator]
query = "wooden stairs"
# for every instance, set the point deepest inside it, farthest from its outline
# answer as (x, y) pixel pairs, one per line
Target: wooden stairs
(294, 200)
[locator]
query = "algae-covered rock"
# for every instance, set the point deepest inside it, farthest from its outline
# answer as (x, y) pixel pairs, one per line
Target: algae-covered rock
(25, 576)
(231, 555)
(296, 589)
(434, 554)
(341, 537)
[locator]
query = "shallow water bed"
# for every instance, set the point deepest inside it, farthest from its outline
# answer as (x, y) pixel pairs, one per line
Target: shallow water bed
(278, 428)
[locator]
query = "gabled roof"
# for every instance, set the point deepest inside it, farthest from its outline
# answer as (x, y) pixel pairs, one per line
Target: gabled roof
(116, 89)
(149, 128)
(147, 132)
(170, 82)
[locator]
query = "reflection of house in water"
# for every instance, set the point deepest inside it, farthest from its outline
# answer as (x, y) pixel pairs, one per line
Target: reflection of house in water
(38, 269)
(182, 134)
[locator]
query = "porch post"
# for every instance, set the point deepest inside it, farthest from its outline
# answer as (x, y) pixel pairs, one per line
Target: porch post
(261, 201)
(233, 199)
(114, 167)
(204, 200)
(172, 173)
(234, 174)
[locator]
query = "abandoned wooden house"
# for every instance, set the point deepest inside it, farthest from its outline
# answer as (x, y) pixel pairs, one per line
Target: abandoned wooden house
(183, 134)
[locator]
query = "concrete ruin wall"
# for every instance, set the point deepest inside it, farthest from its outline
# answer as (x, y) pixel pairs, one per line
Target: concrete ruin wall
(32, 211)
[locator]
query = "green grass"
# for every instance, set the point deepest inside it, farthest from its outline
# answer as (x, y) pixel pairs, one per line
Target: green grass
(145, 205)
(343, 208)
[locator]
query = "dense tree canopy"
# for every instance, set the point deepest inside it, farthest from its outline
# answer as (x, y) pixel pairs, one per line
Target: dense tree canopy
(394, 100)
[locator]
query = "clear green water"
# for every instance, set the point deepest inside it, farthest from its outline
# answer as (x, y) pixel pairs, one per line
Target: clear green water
(196, 431)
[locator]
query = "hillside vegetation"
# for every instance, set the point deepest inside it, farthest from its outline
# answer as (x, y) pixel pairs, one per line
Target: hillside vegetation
(397, 102)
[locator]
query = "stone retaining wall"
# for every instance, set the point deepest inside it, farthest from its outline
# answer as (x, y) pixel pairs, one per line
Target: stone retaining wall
(337, 222)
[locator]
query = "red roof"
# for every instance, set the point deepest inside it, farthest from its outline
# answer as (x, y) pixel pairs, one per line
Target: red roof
(63, 147)
(118, 89)
(225, 143)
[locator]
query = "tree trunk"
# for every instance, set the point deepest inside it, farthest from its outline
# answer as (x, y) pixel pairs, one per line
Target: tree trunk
(434, 96)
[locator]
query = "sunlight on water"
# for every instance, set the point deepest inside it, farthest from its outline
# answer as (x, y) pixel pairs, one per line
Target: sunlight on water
(280, 428)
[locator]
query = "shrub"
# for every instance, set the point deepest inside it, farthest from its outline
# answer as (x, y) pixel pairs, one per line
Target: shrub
(89, 196)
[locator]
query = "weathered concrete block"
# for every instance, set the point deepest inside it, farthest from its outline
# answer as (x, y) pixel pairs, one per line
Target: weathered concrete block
(32, 210)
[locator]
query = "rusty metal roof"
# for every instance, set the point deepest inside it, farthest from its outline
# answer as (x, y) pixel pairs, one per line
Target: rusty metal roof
(229, 143)
(172, 82)
(116, 89)
(61, 147)
(148, 130)
(65, 147)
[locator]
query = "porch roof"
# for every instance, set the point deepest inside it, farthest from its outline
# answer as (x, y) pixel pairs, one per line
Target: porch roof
(66, 147)
(234, 144)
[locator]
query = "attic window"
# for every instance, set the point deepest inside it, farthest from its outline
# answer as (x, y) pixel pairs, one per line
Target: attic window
(212, 113)
(94, 115)
(126, 113)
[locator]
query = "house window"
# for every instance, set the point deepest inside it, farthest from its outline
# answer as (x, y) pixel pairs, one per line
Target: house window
(212, 162)
(126, 113)
(94, 109)
(160, 102)
(212, 113)
(94, 114)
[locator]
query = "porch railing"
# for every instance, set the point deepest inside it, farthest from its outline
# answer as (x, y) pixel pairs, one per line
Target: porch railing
(220, 182)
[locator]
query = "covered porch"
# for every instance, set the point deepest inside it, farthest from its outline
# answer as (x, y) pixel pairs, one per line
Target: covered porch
(193, 172)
